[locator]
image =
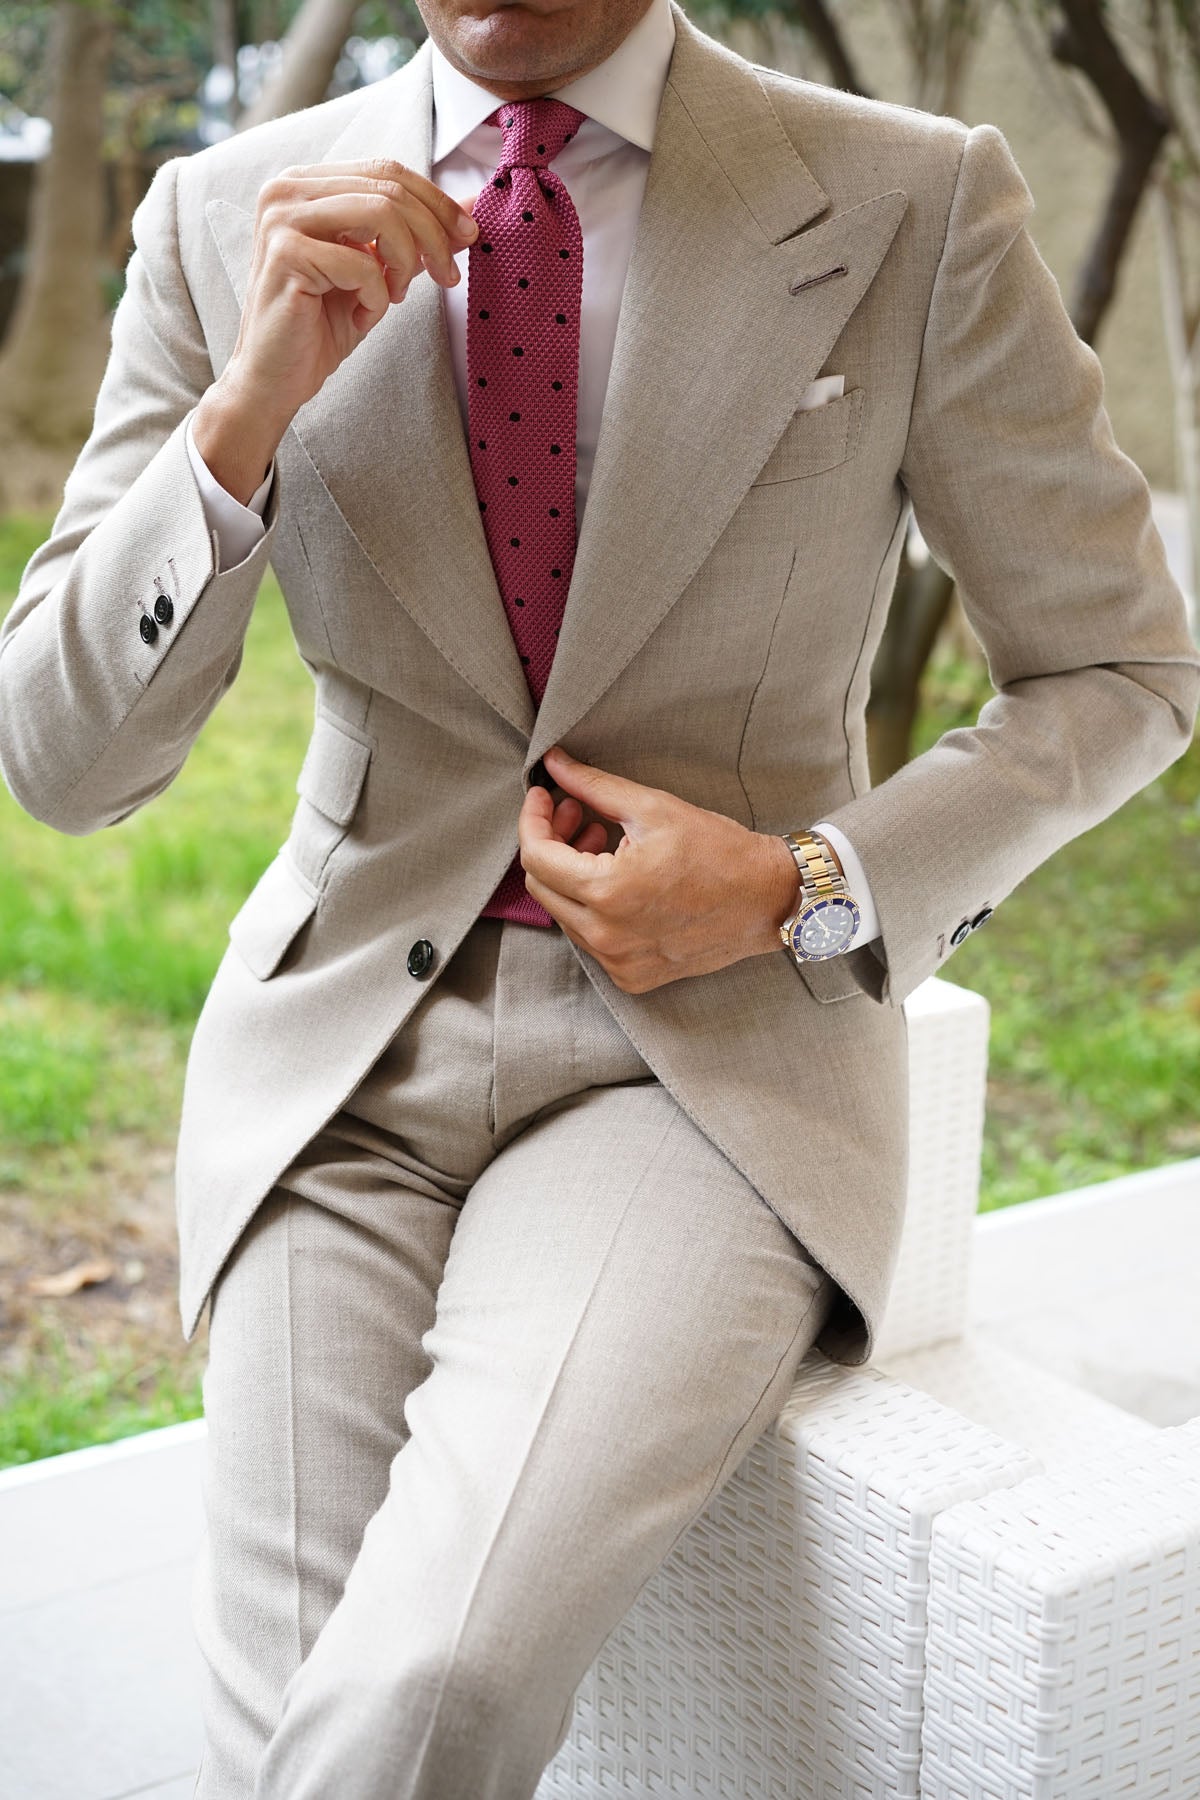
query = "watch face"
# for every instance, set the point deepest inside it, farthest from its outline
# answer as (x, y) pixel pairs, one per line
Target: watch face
(825, 928)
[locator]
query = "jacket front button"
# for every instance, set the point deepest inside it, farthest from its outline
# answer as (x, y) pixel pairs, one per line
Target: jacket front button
(981, 918)
(148, 628)
(420, 958)
(164, 610)
(960, 933)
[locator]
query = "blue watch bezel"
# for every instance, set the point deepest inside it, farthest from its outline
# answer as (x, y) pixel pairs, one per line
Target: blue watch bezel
(806, 912)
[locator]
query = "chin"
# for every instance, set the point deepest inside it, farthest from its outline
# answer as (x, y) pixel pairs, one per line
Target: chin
(517, 43)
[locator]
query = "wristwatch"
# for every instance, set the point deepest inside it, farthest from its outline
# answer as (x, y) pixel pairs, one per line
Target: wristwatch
(826, 917)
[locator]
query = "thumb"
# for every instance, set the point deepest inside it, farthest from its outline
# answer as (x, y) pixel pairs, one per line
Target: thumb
(611, 795)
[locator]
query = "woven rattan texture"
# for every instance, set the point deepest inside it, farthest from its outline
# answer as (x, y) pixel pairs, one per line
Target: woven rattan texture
(1064, 1633)
(778, 1653)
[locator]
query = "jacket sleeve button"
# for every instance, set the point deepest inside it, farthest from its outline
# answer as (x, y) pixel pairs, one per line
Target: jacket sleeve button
(420, 958)
(960, 933)
(981, 918)
(164, 610)
(147, 628)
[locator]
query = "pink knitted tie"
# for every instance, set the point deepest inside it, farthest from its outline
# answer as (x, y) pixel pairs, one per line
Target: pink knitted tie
(524, 286)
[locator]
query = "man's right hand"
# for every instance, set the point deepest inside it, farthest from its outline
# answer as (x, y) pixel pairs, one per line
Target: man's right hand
(335, 244)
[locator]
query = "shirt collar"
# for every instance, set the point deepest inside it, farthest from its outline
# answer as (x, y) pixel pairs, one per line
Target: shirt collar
(623, 92)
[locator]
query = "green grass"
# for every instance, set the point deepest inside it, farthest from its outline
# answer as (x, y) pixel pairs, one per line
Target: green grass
(1095, 1035)
(135, 917)
(54, 1406)
(108, 944)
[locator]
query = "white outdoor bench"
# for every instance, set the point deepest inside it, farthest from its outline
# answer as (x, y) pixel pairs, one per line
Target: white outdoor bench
(947, 1575)
(944, 1575)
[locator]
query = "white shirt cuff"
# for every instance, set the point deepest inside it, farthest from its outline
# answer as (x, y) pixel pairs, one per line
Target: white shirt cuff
(856, 881)
(238, 527)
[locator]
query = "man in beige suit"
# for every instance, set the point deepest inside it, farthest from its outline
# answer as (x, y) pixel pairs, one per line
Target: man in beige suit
(516, 1228)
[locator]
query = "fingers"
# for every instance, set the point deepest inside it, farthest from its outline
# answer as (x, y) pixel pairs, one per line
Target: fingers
(561, 866)
(627, 802)
(414, 224)
(385, 170)
(568, 913)
(348, 267)
(567, 820)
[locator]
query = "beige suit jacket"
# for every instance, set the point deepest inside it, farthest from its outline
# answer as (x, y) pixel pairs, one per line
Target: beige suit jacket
(735, 563)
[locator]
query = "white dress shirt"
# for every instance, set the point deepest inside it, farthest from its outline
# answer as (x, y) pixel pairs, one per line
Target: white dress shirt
(604, 170)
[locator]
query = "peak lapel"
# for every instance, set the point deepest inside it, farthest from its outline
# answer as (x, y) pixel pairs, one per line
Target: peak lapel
(385, 432)
(699, 394)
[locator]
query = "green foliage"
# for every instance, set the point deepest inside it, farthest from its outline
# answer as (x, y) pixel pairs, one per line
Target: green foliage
(1092, 968)
(48, 1077)
(135, 917)
(108, 943)
(54, 1406)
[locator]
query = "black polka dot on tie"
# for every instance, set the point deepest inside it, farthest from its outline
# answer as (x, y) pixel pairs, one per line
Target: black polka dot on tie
(482, 444)
(524, 659)
(541, 149)
(517, 602)
(556, 385)
(528, 217)
(512, 481)
(483, 506)
(515, 417)
(554, 512)
(564, 254)
(556, 573)
(498, 181)
(560, 318)
(568, 137)
(515, 542)
(522, 281)
(517, 350)
(555, 449)
(483, 381)
(508, 121)
(486, 248)
(483, 313)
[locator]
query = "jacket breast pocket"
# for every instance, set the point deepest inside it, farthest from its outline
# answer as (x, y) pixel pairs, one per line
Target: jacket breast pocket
(274, 913)
(330, 786)
(815, 439)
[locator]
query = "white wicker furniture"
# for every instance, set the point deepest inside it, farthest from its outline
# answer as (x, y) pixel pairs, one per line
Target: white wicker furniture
(822, 1629)
(1063, 1645)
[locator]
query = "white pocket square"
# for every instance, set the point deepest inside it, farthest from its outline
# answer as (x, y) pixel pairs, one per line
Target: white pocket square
(821, 391)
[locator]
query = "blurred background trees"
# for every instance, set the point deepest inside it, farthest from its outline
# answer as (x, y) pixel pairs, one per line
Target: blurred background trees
(123, 87)
(108, 943)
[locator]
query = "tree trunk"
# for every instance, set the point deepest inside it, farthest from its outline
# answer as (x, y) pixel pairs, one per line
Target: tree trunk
(918, 611)
(225, 44)
(1183, 345)
(311, 50)
(54, 351)
(1082, 41)
(941, 39)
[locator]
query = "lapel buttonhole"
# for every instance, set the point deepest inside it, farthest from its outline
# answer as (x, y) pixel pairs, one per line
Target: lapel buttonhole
(812, 280)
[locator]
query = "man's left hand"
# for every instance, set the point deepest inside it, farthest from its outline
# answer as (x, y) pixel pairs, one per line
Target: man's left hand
(686, 891)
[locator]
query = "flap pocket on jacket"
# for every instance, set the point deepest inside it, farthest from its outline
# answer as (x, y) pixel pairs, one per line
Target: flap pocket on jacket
(814, 439)
(334, 768)
(280, 903)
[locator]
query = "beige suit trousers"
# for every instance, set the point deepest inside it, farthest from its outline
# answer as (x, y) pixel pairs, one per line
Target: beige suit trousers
(474, 1365)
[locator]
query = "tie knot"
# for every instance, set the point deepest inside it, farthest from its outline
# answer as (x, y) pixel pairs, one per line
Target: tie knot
(534, 131)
